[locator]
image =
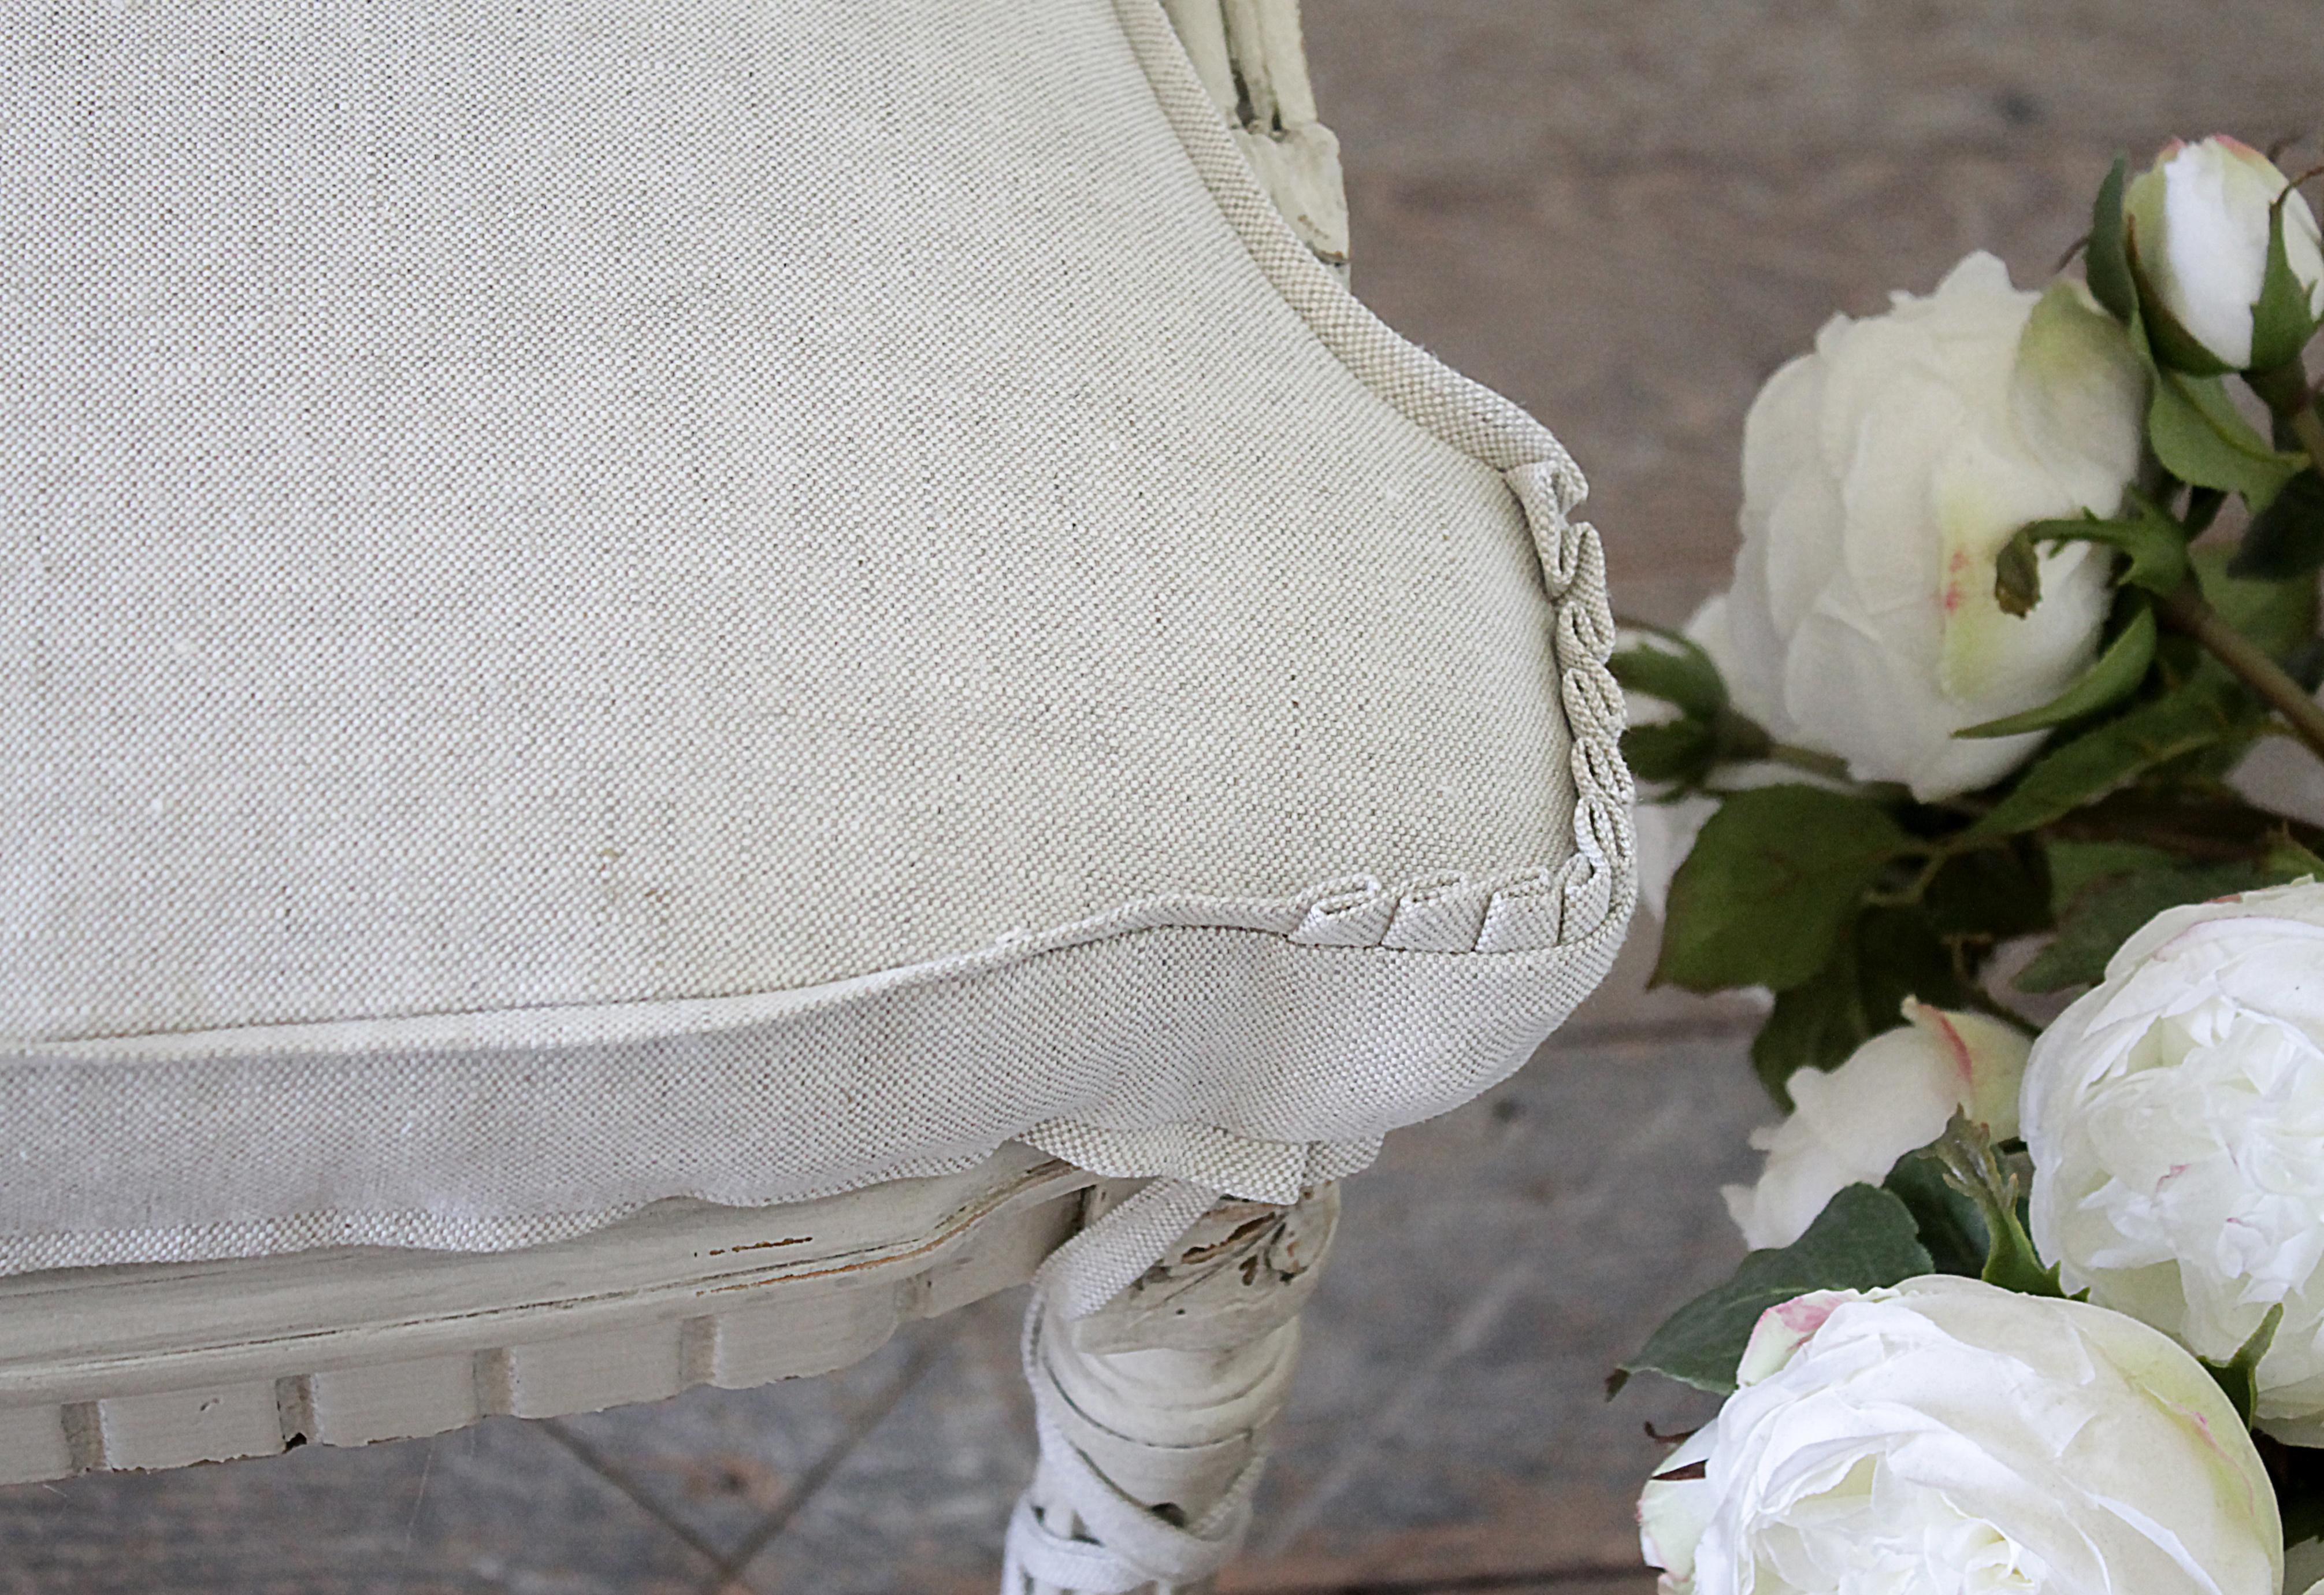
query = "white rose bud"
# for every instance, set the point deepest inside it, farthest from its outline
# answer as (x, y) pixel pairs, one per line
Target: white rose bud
(1945, 1435)
(1882, 473)
(1897, 1092)
(2198, 222)
(2175, 1113)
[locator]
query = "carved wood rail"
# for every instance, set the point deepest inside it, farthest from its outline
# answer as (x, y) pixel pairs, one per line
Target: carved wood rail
(158, 1365)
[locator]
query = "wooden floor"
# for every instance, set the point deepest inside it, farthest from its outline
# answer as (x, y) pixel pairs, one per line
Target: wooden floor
(1624, 215)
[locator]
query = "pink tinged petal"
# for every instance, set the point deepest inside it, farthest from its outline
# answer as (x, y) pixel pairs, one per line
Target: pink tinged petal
(1993, 663)
(1988, 1058)
(1785, 1328)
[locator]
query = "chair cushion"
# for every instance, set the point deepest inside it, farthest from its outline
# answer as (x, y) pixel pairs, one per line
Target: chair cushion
(610, 601)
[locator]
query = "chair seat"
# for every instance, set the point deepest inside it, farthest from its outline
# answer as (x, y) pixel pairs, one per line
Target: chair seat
(613, 602)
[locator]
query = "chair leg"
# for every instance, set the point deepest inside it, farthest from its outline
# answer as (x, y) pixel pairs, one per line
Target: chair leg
(1167, 1394)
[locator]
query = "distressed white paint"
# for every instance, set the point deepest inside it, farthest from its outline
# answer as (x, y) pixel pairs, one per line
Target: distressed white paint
(1170, 1388)
(1250, 55)
(170, 1363)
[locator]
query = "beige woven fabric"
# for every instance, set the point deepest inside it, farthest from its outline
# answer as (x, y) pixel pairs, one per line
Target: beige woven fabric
(612, 601)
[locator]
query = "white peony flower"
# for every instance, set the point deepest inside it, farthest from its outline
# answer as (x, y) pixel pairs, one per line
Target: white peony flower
(2198, 222)
(1882, 473)
(2175, 1113)
(1947, 1437)
(1897, 1092)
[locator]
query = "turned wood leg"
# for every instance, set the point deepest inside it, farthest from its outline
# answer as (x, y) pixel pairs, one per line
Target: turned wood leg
(1165, 1395)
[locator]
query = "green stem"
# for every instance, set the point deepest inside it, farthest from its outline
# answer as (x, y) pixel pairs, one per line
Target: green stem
(2185, 611)
(1815, 764)
(2288, 397)
(1966, 1151)
(2309, 427)
(1745, 741)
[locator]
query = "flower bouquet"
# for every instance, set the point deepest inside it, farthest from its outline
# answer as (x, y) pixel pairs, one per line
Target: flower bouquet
(2027, 594)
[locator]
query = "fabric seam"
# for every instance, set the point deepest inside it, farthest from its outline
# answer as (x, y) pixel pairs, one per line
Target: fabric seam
(1466, 416)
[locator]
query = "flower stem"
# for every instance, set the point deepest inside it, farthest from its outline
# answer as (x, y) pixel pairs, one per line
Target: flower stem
(2289, 397)
(2309, 427)
(1815, 764)
(2185, 611)
(1966, 1152)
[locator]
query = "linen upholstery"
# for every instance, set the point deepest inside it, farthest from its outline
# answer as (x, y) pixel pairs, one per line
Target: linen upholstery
(609, 601)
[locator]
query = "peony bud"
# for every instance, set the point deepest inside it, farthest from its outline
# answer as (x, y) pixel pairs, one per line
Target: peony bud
(1882, 475)
(1897, 1092)
(2199, 233)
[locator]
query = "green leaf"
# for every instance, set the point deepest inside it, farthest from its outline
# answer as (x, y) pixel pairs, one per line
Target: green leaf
(2157, 544)
(1680, 752)
(2201, 438)
(2109, 912)
(1948, 1222)
(1989, 892)
(2106, 264)
(2276, 615)
(2193, 824)
(1774, 879)
(2209, 708)
(2076, 866)
(1887, 954)
(1865, 1237)
(2114, 678)
(2288, 861)
(1680, 674)
(2285, 541)
(2238, 1376)
(2282, 323)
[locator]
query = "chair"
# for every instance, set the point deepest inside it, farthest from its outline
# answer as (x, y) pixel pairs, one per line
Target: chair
(686, 680)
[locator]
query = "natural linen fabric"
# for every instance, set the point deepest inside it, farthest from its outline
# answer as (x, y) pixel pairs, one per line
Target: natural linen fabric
(607, 600)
